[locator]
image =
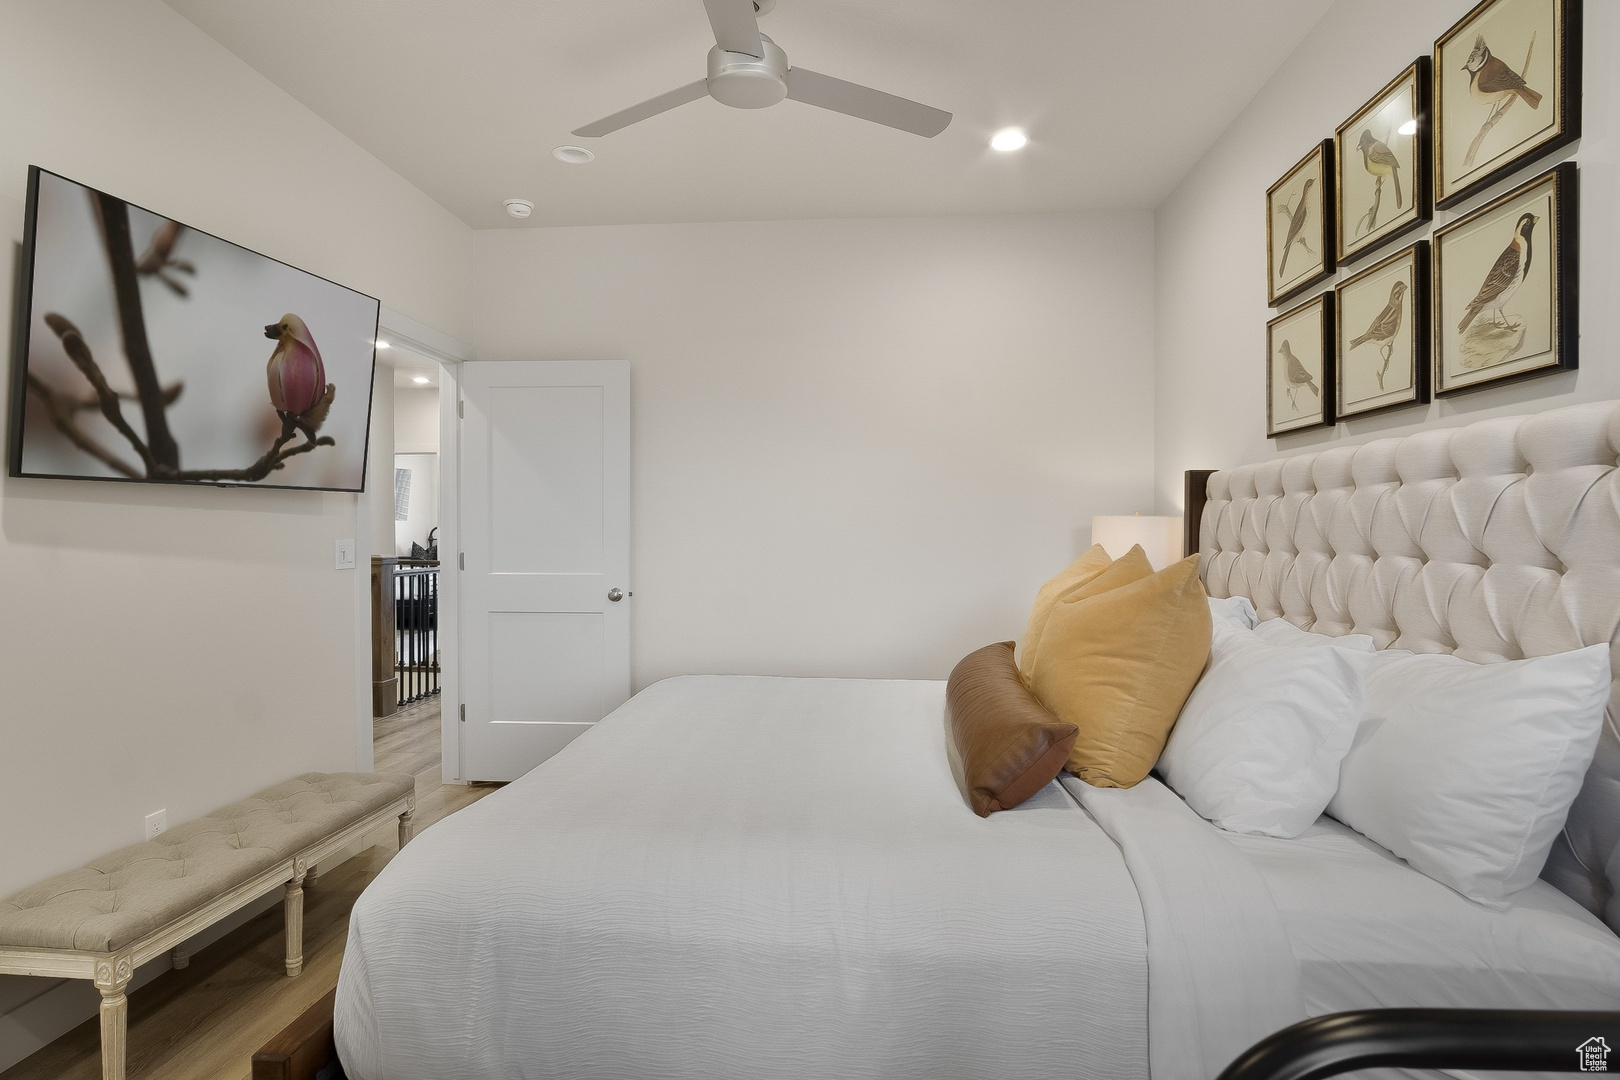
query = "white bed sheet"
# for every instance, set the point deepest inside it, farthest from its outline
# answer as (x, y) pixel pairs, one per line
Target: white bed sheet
(751, 878)
(1371, 932)
(1368, 931)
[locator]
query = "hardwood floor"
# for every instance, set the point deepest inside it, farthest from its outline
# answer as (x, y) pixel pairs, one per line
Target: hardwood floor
(205, 1022)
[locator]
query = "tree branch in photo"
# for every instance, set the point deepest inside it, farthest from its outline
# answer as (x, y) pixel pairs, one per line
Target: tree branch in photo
(63, 413)
(115, 231)
(278, 453)
(78, 352)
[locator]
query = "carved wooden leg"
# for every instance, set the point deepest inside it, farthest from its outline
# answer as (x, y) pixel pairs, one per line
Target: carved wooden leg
(180, 956)
(309, 878)
(406, 828)
(293, 912)
(112, 976)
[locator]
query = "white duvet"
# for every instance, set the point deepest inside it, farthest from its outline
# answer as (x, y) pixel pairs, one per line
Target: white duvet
(758, 878)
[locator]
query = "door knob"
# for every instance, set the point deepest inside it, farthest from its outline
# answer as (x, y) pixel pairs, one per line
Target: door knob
(615, 595)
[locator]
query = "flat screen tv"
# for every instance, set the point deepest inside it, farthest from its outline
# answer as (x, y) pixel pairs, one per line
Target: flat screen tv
(148, 351)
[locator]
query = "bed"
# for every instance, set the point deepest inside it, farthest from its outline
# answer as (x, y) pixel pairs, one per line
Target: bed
(760, 877)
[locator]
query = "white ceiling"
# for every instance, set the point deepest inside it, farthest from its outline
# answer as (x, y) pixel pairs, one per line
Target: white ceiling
(466, 98)
(407, 365)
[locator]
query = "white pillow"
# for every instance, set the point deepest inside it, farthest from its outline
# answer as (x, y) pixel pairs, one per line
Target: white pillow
(1236, 610)
(1467, 771)
(1283, 632)
(1258, 745)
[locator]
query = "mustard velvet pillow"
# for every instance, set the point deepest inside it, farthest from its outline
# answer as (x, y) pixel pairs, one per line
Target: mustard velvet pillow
(1118, 657)
(1077, 573)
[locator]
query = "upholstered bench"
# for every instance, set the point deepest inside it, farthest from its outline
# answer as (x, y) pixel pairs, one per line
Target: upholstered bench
(104, 921)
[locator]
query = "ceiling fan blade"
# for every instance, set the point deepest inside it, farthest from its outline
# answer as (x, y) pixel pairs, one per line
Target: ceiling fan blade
(650, 107)
(736, 27)
(852, 99)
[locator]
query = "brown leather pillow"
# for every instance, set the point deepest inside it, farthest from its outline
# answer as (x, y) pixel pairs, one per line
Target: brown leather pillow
(1009, 744)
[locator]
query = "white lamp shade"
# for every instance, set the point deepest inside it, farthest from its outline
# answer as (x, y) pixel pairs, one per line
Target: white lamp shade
(1160, 537)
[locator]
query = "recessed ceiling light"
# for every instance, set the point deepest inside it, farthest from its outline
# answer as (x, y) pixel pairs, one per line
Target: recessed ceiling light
(1408, 128)
(381, 344)
(419, 379)
(1009, 139)
(572, 155)
(519, 208)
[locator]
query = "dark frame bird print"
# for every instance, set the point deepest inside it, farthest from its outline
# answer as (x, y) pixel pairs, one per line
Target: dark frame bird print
(1299, 368)
(1507, 83)
(1381, 317)
(1299, 226)
(1505, 287)
(1382, 188)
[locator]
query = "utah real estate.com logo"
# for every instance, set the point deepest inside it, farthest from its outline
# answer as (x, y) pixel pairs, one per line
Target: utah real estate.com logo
(1594, 1055)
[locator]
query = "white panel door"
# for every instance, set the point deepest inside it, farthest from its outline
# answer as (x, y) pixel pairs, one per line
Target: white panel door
(545, 541)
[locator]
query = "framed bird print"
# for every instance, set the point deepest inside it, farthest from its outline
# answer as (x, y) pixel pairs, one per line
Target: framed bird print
(1505, 288)
(1507, 89)
(1382, 165)
(1299, 367)
(1381, 335)
(1299, 226)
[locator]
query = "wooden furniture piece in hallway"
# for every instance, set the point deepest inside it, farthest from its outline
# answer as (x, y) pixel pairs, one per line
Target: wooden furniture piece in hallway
(384, 643)
(105, 920)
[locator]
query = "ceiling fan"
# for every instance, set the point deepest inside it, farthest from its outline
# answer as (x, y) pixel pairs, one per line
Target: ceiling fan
(748, 71)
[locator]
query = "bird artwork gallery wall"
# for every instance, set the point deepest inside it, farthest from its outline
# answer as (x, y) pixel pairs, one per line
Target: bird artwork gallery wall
(860, 447)
(1210, 243)
(179, 648)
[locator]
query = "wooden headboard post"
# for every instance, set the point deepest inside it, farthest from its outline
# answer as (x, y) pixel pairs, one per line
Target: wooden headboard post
(1195, 495)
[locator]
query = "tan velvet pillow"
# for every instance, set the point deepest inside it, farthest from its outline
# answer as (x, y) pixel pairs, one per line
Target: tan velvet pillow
(1118, 658)
(1082, 570)
(1009, 745)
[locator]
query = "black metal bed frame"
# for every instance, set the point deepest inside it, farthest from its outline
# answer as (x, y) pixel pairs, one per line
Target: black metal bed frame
(1485, 1039)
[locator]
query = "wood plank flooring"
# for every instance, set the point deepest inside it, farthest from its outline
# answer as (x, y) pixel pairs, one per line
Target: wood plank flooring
(205, 1022)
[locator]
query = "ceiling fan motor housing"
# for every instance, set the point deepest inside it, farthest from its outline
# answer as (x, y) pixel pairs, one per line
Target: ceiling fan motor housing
(748, 82)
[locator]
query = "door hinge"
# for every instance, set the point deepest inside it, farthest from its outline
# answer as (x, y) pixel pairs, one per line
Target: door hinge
(461, 560)
(463, 714)
(461, 409)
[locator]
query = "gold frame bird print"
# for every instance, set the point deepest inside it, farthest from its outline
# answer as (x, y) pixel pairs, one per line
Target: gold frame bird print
(1505, 303)
(1299, 226)
(1507, 91)
(1382, 165)
(1299, 367)
(1382, 335)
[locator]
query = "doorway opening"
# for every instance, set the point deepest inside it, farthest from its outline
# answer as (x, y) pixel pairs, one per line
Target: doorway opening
(407, 648)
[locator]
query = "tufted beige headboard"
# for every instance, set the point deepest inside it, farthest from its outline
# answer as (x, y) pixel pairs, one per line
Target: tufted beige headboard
(1493, 541)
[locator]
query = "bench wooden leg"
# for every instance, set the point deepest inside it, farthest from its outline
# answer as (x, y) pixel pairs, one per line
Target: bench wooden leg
(309, 878)
(112, 977)
(406, 827)
(180, 956)
(293, 911)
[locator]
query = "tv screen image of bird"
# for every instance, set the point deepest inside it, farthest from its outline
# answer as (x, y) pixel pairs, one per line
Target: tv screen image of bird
(151, 351)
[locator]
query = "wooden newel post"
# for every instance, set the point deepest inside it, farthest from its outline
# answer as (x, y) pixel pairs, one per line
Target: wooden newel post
(384, 671)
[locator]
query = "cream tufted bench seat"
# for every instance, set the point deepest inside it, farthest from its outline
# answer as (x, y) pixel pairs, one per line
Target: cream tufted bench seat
(105, 920)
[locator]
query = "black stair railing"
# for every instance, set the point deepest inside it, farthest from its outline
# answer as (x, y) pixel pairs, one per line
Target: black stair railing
(416, 620)
(1487, 1039)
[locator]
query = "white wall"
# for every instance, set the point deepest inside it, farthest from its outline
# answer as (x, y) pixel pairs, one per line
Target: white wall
(858, 446)
(380, 464)
(416, 420)
(1210, 263)
(180, 648)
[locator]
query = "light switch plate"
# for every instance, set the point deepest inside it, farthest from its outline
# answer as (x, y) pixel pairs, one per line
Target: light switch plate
(345, 554)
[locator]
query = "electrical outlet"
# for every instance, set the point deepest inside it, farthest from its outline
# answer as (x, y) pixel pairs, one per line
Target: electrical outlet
(345, 554)
(157, 824)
